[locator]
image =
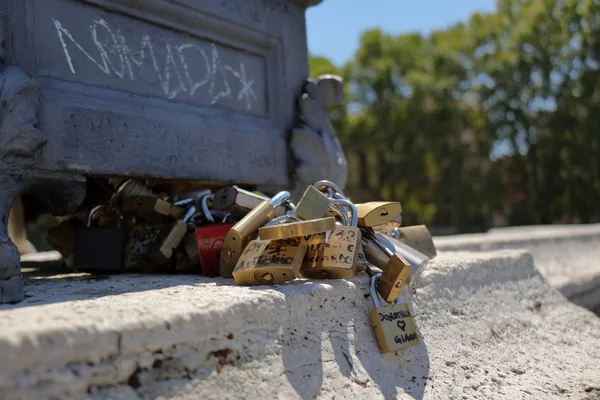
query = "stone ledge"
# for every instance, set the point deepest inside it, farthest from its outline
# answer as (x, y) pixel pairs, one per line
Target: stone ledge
(491, 327)
(566, 255)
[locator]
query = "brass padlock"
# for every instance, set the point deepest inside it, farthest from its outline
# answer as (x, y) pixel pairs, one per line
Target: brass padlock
(288, 227)
(335, 256)
(151, 208)
(312, 205)
(239, 201)
(140, 238)
(267, 262)
(377, 213)
(164, 247)
(418, 237)
(394, 325)
(396, 269)
(246, 230)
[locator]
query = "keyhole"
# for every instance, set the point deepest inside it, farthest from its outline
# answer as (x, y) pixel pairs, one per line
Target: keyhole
(224, 195)
(383, 213)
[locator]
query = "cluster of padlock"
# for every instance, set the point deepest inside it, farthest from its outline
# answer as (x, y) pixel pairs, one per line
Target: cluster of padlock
(257, 240)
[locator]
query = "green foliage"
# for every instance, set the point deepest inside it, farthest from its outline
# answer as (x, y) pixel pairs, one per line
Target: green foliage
(498, 113)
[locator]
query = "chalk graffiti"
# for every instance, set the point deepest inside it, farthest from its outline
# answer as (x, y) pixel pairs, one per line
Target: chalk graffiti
(174, 72)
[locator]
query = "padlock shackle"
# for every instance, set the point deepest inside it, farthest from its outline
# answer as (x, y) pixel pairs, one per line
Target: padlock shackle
(280, 198)
(204, 205)
(94, 210)
(283, 219)
(325, 184)
(349, 205)
(183, 202)
(189, 214)
(375, 293)
(370, 233)
(340, 213)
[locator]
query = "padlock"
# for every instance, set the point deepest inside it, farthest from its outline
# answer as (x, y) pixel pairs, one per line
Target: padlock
(246, 230)
(151, 208)
(417, 260)
(377, 213)
(335, 257)
(287, 227)
(390, 226)
(312, 205)
(396, 269)
(100, 249)
(141, 237)
(209, 241)
(394, 325)
(63, 237)
(419, 238)
(267, 262)
(239, 201)
(164, 247)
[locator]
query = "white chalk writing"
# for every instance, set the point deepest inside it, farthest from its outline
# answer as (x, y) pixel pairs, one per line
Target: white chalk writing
(175, 72)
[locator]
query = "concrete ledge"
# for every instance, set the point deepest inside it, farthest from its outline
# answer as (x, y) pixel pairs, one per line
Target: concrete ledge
(566, 255)
(491, 326)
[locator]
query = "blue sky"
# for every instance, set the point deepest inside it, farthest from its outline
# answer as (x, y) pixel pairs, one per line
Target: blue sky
(334, 27)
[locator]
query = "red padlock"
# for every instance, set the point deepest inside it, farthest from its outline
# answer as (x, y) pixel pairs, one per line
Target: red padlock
(210, 242)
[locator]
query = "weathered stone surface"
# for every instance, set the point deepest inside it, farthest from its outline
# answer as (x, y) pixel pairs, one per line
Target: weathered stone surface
(492, 327)
(566, 255)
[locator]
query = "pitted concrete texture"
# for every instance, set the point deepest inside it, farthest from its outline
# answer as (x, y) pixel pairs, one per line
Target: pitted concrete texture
(491, 327)
(568, 256)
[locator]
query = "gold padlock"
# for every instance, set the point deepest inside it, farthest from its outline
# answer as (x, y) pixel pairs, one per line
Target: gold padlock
(159, 255)
(246, 230)
(312, 205)
(396, 269)
(268, 262)
(335, 256)
(293, 228)
(140, 239)
(394, 325)
(377, 213)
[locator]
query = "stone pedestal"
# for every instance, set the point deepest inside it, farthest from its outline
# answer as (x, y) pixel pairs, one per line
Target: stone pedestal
(163, 89)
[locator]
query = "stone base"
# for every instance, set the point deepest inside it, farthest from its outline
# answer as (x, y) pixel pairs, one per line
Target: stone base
(491, 327)
(566, 255)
